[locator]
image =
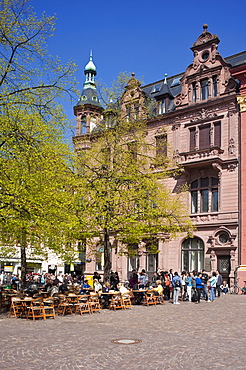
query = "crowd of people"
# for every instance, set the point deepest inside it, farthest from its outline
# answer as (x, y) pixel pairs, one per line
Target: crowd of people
(189, 286)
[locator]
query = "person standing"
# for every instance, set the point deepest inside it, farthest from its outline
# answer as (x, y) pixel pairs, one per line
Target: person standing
(142, 279)
(177, 284)
(219, 282)
(188, 282)
(199, 287)
(212, 281)
(133, 280)
(167, 283)
(204, 285)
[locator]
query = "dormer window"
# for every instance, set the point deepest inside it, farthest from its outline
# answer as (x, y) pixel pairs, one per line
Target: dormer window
(162, 106)
(215, 86)
(156, 88)
(204, 89)
(194, 96)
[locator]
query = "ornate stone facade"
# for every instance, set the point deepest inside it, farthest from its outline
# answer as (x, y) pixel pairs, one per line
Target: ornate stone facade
(197, 112)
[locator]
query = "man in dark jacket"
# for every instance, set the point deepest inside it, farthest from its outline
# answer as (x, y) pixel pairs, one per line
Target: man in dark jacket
(219, 282)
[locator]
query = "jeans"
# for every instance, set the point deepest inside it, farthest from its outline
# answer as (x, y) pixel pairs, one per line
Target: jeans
(176, 292)
(199, 290)
(204, 292)
(218, 290)
(189, 292)
(212, 293)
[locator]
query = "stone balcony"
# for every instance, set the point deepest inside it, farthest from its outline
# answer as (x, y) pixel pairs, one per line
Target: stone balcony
(197, 156)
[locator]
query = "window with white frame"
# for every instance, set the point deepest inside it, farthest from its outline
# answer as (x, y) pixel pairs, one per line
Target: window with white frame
(204, 195)
(204, 89)
(192, 254)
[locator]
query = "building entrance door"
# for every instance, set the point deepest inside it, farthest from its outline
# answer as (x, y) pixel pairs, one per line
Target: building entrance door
(224, 267)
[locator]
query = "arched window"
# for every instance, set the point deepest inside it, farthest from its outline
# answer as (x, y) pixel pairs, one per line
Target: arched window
(192, 254)
(83, 125)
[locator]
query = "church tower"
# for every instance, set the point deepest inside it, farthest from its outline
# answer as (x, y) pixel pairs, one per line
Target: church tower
(88, 110)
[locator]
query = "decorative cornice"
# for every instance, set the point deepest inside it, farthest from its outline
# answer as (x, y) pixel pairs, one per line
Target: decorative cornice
(161, 131)
(202, 115)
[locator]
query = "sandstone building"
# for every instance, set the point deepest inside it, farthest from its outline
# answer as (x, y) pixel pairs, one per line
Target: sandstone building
(197, 115)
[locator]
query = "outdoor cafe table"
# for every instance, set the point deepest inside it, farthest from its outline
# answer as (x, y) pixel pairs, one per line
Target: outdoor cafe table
(44, 294)
(109, 295)
(138, 295)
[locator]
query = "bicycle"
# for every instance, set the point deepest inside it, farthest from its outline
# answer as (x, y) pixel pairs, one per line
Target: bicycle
(237, 289)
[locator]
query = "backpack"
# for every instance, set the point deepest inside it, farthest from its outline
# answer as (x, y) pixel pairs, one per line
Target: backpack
(194, 297)
(177, 284)
(167, 281)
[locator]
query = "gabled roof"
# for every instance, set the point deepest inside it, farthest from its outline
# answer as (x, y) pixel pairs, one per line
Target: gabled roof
(173, 86)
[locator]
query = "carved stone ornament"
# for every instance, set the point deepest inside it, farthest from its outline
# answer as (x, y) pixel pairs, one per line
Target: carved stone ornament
(205, 37)
(231, 146)
(242, 102)
(232, 167)
(204, 114)
(218, 168)
(161, 131)
(232, 109)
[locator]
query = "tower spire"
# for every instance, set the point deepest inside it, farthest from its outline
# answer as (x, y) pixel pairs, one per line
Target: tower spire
(90, 73)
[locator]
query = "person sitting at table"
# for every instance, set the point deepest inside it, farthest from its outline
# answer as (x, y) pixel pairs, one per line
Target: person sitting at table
(85, 287)
(159, 288)
(97, 286)
(122, 289)
(105, 297)
(97, 276)
(63, 288)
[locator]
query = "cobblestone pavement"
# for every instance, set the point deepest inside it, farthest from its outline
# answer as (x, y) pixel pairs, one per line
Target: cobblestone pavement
(185, 336)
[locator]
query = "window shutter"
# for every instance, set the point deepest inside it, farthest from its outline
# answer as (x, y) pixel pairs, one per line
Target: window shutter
(217, 134)
(192, 139)
(204, 137)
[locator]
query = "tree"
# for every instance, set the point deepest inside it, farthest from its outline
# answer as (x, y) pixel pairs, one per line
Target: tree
(36, 179)
(36, 190)
(121, 199)
(28, 75)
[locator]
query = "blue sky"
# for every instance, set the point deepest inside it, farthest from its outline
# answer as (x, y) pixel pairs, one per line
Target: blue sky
(147, 37)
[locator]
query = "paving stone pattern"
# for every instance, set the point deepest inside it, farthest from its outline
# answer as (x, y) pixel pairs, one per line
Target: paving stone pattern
(185, 336)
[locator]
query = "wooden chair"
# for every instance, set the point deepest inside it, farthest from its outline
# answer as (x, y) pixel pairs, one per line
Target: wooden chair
(49, 307)
(126, 299)
(27, 301)
(16, 307)
(83, 305)
(36, 309)
(116, 302)
(149, 298)
(5, 300)
(94, 303)
(64, 306)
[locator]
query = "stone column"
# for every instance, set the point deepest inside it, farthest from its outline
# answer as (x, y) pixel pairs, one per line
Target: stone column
(240, 74)
(213, 261)
(78, 125)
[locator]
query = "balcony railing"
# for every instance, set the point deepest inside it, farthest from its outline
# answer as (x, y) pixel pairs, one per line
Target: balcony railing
(199, 155)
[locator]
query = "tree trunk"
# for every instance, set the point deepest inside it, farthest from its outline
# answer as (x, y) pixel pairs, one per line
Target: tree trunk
(23, 260)
(107, 262)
